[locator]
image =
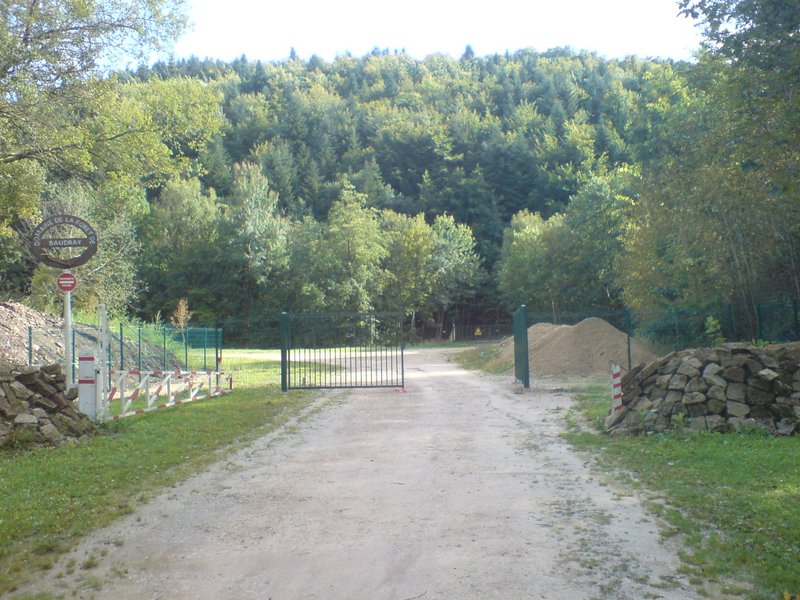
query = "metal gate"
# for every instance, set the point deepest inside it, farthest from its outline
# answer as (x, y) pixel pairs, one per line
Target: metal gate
(341, 350)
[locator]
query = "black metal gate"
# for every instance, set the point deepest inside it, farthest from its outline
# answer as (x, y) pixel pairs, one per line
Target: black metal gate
(341, 350)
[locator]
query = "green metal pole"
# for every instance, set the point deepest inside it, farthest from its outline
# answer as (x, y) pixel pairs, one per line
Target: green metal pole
(121, 348)
(164, 342)
(526, 382)
(186, 348)
(139, 361)
(217, 354)
(205, 346)
(284, 329)
(217, 348)
(30, 345)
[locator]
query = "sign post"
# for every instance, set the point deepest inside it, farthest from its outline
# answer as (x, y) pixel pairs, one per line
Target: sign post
(68, 234)
(67, 335)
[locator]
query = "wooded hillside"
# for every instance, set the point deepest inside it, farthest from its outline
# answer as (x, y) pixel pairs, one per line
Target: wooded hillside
(443, 186)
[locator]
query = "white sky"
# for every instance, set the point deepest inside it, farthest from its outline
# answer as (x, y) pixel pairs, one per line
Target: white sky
(268, 29)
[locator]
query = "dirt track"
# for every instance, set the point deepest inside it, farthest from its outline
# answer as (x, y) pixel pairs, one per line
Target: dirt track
(458, 488)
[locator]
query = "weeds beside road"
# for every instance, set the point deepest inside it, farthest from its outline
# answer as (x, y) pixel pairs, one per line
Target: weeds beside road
(54, 496)
(735, 498)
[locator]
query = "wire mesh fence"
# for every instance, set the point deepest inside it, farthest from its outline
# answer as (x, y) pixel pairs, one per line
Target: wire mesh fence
(249, 348)
(131, 347)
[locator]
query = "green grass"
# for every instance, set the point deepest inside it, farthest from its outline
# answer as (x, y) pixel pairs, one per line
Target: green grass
(54, 496)
(484, 357)
(735, 498)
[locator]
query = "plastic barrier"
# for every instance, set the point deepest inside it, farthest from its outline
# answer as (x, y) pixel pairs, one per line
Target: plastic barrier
(175, 387)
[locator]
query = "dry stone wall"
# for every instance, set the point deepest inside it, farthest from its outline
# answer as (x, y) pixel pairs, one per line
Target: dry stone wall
(715, 389)
(34, 408)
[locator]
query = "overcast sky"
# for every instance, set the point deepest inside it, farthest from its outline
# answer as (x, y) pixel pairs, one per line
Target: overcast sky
(268, 30)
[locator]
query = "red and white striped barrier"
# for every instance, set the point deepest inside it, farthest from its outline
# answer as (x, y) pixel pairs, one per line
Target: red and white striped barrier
(168, 384)
(616, 387)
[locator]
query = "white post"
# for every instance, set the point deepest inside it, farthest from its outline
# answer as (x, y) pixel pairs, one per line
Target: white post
(68, 337)
(100, 393)
(104, 365)
(616, 387)
(87, 386)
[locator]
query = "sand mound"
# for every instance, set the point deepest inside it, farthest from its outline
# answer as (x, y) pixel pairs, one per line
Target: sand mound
(582, 349)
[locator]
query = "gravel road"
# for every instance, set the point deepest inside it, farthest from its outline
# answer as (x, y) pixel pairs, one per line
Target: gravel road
(458, 487)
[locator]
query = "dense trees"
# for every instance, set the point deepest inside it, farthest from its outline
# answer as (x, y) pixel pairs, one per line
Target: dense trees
(54, 112)
(435, 186)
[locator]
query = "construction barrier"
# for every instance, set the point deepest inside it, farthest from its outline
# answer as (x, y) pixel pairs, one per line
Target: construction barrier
(616, 387)
(173, 387)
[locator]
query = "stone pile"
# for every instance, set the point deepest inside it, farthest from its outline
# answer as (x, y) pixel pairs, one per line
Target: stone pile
(34, 409)
(723, 389)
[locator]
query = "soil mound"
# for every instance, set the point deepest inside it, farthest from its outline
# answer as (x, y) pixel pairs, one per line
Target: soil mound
(582, 349)
(15, 319)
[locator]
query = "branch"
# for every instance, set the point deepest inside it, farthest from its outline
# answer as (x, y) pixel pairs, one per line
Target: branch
(41, 153)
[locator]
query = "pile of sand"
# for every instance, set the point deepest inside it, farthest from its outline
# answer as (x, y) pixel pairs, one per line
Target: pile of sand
(583, 349)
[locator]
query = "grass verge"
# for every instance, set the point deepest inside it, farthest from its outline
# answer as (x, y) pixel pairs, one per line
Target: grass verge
(484, 357)
(735, 498)
(52, 497)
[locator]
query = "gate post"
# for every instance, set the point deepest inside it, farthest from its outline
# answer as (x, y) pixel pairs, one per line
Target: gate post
(87, 387)
(521, 365)
(284, 328)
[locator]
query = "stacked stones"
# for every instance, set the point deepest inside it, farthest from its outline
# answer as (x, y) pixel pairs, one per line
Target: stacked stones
(34, 408)
(716, 389)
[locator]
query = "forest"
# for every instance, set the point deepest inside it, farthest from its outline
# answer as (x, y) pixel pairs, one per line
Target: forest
(450, 189)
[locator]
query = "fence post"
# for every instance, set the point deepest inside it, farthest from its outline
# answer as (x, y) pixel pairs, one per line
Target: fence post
(521, 359)
(30, 345)
(164, 344)
(139, 350)
(284, 330)
(205, 348)
(186, 348)
(87, 386)
(218, 355)
(121, 347)
(104, 368)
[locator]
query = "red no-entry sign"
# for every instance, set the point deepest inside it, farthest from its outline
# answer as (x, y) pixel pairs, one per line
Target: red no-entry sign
(66, 282)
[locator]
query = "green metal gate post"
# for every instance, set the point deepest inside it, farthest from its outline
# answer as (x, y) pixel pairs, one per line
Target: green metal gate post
(284, 327)
(205, 346)
(522, 371)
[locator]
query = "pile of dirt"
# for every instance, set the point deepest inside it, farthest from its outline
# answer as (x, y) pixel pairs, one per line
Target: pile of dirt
(583, 349)
(15, 321)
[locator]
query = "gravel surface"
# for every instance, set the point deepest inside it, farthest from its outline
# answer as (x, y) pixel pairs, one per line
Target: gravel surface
(458, 487)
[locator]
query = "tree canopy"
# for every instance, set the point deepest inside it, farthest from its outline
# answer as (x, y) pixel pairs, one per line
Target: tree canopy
(448, 188)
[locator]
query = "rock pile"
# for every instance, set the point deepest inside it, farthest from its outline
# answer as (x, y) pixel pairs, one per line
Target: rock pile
(34, 408)
(715, 389)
